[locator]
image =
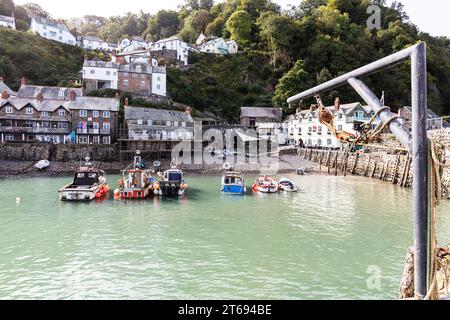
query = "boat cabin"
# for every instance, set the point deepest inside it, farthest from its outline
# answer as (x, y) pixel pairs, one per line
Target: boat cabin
(173, 175)
(85, 178)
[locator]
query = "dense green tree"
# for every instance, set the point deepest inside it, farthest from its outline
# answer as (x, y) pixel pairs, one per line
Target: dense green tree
(164, 24)
(195, 24)
(6, 7)
(33, 9)
(240, 27)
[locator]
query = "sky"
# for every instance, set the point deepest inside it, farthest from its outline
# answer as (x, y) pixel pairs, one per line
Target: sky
(430, 16)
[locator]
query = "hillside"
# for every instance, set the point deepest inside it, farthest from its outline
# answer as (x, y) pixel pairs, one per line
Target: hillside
(41, 61)
(222, 84)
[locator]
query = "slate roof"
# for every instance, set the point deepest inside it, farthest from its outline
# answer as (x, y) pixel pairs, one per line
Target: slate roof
(100, 64)
(137, 113)
(50, 22)
(57, 93)
(274, 113)
(80, 103)
(7, 19)
(4, 87)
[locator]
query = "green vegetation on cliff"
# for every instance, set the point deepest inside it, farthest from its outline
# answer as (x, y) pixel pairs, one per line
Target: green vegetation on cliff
(41, 61)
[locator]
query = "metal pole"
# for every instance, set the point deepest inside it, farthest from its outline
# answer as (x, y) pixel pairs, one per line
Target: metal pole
(395, 126)
(420, 166)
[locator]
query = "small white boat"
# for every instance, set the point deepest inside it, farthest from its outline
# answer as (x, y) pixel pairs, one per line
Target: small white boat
(88, 184)
(42, 164)
(287, 185)
(265, 184)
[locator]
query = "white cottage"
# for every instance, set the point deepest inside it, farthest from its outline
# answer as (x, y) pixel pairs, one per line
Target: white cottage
(173, 43)
(52, 30)
(8, 22)
(304, 128)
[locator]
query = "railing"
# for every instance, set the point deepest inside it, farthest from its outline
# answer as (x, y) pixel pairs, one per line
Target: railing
(105, 131)
(82, 131)
(34, 130)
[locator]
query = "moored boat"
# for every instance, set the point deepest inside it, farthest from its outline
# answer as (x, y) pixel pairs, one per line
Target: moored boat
(265, 184)
(171, 183)
(285, 184)
(42, 164)
(136, 182)
(88, 184)
(233, 182)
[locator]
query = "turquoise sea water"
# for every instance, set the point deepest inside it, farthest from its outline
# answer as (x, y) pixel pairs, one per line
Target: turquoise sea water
(322, 243)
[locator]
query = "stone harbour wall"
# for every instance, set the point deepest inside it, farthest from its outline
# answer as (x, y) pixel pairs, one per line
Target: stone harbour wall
(57, 152)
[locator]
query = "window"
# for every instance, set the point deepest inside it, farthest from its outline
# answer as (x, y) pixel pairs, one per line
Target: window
(44, 114)
(359, 114)
(115, 73)
(106, 125)
(9, 137)
(29, 110)
(314, 129)
(60, 38)
(138, 69)
(319, 130)
(339, 127)
(329, 142)
(106, 140)
(108, 73)
(92, 71)
(142, 76)
(126, 74)
(158, 86)
(82, 139)
(95, 114)
(300, 131)
(61, 112)
(106, 114)
(83, 113)
(125, 82)
(158, 79)
(143, 83)
(134, 75)
(9, 109)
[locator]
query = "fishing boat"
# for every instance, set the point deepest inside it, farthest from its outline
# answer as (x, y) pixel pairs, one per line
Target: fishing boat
(233, 182)
(42, 164)
(287, 185)
(89, 183)
(136, 182)
(171, 183)
(265, 184)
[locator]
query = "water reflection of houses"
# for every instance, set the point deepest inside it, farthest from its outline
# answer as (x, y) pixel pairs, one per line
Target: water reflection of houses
(154, 131)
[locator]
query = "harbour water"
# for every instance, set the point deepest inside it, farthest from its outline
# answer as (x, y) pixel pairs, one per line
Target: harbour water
(339, 238)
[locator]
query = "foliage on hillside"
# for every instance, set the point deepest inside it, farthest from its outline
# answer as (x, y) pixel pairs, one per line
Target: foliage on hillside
(222, 84)
(282, 51)
(41, 61)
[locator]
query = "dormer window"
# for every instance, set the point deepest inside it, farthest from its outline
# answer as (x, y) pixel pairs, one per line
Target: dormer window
(29, 110)
(61, 112)
(44, 114)
(9, 109)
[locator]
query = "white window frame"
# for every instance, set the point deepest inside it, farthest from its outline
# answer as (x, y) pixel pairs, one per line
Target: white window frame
(9, 109)
(61, 112)
(95, 114)
(83, 113)
(29, 110)
(106, 114)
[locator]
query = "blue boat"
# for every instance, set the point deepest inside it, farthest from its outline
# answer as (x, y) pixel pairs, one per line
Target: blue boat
(233, 183)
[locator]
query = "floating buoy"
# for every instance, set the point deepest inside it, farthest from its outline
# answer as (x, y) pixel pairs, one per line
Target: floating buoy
(18, 200)
(116, 192)
(117, 197)
(98, 195)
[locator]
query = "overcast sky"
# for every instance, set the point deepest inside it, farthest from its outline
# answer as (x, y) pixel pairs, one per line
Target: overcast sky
(431, 16)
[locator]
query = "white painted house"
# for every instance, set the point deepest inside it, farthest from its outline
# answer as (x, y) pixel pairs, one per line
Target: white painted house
(216, 45)
(173, 43)
(52, 30)
(159, 81)
(135, 44)
(8, 22)
(99, 74)
(305, 128)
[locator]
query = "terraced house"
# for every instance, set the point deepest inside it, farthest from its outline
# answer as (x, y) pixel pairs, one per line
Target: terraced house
(57, 115)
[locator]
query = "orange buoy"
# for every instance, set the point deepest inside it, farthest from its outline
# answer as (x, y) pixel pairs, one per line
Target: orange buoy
(98, 195)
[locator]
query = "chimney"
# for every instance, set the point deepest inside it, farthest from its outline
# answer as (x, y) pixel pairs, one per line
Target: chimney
(72, 95)
(337, 104)
(117, 95)
(23, 81)
(2, 79)
(5, 94)
(188, 110)
(40, 97)
(126, 102)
